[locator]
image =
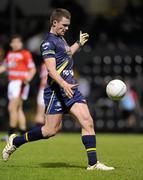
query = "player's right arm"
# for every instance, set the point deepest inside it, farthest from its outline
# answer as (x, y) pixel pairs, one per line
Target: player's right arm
(51, 68)
(2, 69)
(4, 65)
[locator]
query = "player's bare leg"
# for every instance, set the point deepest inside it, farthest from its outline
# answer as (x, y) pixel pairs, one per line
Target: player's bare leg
(21, 118)
(51, 127)
(13, 114)
(39, 118)
(81, 112)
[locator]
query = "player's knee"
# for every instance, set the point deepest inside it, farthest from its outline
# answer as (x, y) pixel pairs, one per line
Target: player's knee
(59, 128)
(12, 107)
(88, 124)
(49, 132)
(88, 120)
(9, 107)
(53, 132)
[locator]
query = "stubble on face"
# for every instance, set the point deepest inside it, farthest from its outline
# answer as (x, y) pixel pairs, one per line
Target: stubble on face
(62, 26)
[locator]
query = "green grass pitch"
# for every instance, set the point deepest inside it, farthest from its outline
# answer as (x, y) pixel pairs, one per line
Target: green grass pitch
(64, 158)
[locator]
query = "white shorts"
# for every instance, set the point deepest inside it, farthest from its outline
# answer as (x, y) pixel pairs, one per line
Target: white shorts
(17, 89)
(40, 97)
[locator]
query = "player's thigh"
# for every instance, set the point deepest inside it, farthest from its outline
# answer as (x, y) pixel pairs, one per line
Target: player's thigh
(13, 104)
(81, 112)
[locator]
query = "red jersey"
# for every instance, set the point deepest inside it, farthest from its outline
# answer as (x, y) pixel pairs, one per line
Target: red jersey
(18, 64)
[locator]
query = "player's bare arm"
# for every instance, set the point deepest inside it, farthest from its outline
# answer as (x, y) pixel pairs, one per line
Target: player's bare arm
(2, 69)
(83, 38)
(31, 74)
(51, 68)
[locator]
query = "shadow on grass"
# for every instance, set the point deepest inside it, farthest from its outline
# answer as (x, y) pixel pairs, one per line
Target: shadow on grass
(45, 165)
(60, 165)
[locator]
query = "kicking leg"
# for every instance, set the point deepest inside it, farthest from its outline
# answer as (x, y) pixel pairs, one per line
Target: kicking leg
(50, 128)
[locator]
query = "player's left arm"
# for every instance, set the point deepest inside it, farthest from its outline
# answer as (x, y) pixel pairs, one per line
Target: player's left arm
(83, 38)
(32, 72)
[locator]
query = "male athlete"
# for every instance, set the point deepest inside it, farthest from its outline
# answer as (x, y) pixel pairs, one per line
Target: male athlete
(61, 94)
(21, 69)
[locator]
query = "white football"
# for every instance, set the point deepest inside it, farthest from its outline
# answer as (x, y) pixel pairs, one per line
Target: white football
(116, 89)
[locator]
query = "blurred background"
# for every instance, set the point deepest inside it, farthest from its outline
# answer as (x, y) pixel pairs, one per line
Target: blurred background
(114, 50)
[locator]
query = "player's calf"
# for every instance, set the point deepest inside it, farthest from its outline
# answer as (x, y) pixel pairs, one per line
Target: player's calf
(49, 132)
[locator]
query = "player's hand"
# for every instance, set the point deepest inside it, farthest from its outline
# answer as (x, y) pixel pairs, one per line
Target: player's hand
(68, 88)
(26, 81)
(83, 38)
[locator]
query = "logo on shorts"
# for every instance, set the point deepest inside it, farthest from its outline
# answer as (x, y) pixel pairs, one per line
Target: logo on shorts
(59, 109)
(83, 100)
(58, 104)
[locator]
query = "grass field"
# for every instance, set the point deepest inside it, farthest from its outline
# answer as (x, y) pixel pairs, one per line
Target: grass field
(63, 158)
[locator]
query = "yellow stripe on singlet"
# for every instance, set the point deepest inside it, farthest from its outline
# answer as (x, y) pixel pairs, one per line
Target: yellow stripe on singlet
(62, 67)
(91, 149)
(59, 70)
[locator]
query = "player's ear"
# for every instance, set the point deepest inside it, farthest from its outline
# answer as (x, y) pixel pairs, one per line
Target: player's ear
(54, 22)
(10, 44)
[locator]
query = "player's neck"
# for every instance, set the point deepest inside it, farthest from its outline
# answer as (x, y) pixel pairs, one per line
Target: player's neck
(53, 31)
(16, 50)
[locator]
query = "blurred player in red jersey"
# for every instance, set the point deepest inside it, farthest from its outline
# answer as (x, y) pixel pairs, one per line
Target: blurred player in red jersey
(21, 69)
(39, 118)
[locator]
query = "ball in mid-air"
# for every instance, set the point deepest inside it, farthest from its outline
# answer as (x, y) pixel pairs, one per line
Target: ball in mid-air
(116, 89)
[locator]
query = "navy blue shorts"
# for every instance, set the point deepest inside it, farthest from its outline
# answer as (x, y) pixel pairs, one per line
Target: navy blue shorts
(56, 101)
